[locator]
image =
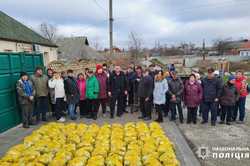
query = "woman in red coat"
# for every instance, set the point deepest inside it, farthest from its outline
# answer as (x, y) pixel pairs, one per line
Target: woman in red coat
(192, 98)
(241, 86)
(83, 105)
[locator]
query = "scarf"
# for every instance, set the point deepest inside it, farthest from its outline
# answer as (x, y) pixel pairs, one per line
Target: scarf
(27, 88)
(191, 82)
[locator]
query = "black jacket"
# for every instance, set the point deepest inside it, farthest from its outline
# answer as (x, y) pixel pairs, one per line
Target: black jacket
(136, 82)
(145, 87)
(131, 78)
(175, 87)
(71, 90)
(211, 89)
(118, 84)
(229, 95)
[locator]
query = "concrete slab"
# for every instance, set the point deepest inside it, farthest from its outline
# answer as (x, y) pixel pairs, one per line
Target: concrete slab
(235, 135)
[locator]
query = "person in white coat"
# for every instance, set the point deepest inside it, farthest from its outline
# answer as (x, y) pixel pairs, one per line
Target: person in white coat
(57, 83)
(159, 94)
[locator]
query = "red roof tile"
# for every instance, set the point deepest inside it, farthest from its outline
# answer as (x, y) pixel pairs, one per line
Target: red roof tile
(246, 45)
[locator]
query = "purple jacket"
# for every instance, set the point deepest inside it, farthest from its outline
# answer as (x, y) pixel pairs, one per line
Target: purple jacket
(103, 81)
(192, 94)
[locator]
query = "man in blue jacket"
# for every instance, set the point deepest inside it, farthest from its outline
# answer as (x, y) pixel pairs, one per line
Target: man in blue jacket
(212, 88)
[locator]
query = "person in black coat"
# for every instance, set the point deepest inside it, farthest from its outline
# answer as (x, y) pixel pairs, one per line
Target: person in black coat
(72, 93)
(135, 82)
(211, 92)
(145, 92)
(175, 92)
(130, 77)
(228, 98)
(117, 90)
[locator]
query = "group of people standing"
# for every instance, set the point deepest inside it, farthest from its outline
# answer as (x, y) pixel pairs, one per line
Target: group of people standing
(140, 89)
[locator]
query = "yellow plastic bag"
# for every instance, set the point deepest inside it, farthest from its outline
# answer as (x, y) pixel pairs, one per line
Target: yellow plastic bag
(46, 158)
(78, 161)
(96, 161)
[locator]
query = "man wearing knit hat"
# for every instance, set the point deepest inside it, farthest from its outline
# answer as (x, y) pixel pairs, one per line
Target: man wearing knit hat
(26, 93)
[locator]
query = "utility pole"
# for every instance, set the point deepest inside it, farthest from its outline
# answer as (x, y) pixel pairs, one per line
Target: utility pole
(111, 27)
(203, 49)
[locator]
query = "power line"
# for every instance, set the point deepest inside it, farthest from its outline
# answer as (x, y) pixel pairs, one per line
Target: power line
(100, 6)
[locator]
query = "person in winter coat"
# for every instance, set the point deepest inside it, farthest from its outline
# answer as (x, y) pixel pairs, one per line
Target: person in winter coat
(131, 78)
(92, 93)
(145, 93)
(192, 98)
(26, 93)
(57, 83)
(52, 102)
(168, 97)
(40, 82)
(117, 89)
(211, 92)
(103, 83)
(83, 104)
(72, 93)
(159, 94)
(135, 82)
(241, 86)
(175, 90)
(106, 70)
(228, 98)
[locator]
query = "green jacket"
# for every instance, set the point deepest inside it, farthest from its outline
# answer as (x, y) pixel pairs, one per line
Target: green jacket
(92, 88)
(41, 85)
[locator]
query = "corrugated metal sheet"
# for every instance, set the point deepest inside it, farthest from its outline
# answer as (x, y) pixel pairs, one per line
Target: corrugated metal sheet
(11, 64)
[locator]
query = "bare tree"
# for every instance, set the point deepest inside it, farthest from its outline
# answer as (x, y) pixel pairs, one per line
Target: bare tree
(135, 44)
(48, 31)
(221, 45)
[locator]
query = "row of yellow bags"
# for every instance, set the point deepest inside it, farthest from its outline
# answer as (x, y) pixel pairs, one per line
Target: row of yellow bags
(57, 144)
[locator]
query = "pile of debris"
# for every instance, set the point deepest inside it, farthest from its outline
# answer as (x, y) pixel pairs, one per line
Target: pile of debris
(77, 65)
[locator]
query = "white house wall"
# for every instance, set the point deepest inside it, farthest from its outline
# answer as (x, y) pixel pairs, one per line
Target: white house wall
(6, 46)
(50, 53)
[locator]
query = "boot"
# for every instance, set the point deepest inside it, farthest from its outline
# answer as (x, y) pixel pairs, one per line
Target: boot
(25, 125)
(159, 120)
(94, 115)
(147, 118)
(89, 116)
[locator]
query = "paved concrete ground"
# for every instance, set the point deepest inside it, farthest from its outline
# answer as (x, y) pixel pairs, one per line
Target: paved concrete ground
(183, 151)
(236, 135)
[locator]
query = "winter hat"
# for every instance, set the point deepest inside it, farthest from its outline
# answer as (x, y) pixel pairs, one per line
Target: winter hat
(231, 77)
(98, 66)
(22, 73)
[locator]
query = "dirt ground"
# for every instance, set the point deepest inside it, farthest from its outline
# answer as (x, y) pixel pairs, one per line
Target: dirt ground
(235, 135)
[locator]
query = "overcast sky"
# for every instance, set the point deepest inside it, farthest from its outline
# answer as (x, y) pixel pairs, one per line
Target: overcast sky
(167, 21)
